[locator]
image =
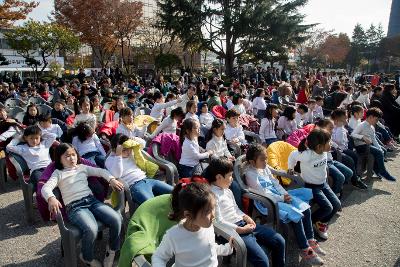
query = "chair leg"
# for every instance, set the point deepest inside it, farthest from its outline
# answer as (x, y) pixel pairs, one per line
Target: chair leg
(70, 255)
(27, 191)
(3, 175)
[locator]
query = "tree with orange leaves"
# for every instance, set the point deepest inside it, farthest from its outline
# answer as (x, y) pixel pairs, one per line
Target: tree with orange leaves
(101, 24)
(335, 48)
(13, 10)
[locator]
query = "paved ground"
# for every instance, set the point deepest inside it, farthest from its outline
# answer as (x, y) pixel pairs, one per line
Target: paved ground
(366, 233)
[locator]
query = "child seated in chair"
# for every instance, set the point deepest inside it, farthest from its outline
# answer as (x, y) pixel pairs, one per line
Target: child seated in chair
(219, 175)
(313, 158)
(59, 111)
(31, 116)
(127, 127)
(234, 131)
(267, 128)
(121, 163)
(45, 124)
(192, 153)
(34, 150)
(364, 135)
(293, 204)
(206, 119)
(170, 123)
(216, 140)
(192, 240)
(88, 144)
(82, 208)
(8, 126)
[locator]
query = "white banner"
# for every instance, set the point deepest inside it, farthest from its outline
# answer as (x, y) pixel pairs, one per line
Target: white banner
(19, 62)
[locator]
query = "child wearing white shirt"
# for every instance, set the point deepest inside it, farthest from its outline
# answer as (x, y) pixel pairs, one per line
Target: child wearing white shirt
(169, 124)
(216, 140)
(267, 128)
(35, 150)
(318, 112)
(363, 98)
(82, 208)
(258, 103)
(158, 110)
(127, 127)
(45, 124)
(191, 151)
(206, 118)
(121, 164)
(219, 175)
(192, 240)
(88, 145)
(234, 131)
(85, 115)
(191, 109)
(286, 122)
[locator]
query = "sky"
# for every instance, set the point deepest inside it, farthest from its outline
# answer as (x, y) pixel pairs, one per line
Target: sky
(336, 15)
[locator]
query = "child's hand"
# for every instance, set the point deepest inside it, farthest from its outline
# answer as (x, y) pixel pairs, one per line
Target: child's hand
(231, 158)
(118, 150)
(248, 228)
(117, 185)
(249, 220)
(236, 140)
(287, 198)
(54, 206)
(231, 241)
(367, 140)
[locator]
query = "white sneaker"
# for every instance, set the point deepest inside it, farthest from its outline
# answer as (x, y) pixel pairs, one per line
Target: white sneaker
(109, 258)
(93, 263)
(309, 257)
(315, 246)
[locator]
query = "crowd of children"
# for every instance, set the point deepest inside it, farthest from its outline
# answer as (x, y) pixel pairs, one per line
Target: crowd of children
(212, 134)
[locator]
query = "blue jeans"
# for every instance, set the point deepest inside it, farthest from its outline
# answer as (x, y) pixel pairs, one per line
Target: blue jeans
(304, 230)
(185, 171)
(96, 157)
(83, 214)
(267, 237)
(327, 201)
(34, 177)
(340, 173)
(384, 134)
(147, 188)
(379, 164)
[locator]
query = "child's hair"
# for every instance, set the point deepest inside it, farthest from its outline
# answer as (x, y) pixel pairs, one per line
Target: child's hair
(289, 112)
(314, 139)
(60, 150)
(338, 113)
(303, 107)
(211, 93)
(157, 95)
(235, 99)
(45, 117)
(83, 131)
(217, 166)
(311, 101)
(131, 96)
(32, 106)
(375, 104)
(32, 130)
(83, 100)
(374, 112)
(258, 92)
(377, 89)
(192, 197)
(356, 109)
(118, 139)
(190, 104)
(204, 104)
(186, 128)
(254, 151)
(270, 108)
(217, 123)
(125, 112)
(318, 98)
(177, 112)
(232, 113)
(323, 123)
(363, 89)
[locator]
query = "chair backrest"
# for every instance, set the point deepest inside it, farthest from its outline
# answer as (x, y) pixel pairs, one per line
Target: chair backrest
(14, 111)
(44, 109)
(238, 172)
(20, 116)
(14, 102)
(38, 100)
